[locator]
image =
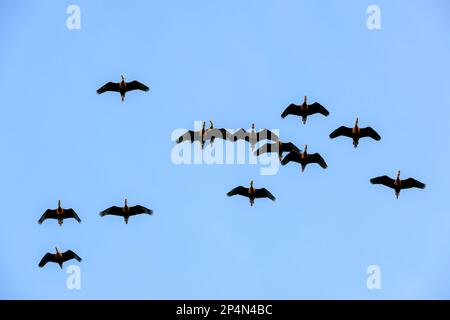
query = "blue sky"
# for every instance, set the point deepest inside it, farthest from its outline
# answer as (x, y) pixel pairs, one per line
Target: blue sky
(235, 62)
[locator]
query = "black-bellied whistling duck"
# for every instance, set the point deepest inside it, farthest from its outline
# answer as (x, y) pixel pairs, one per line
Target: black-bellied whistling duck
(253, 137)
(304, 110)
(355, 133)
(59, 257)
(215, 133)
(126, 212)
(304, 158)
(397, 184)
(123, 87)
(192, 136)
(278, 147)
(59, 214)
(251, 193)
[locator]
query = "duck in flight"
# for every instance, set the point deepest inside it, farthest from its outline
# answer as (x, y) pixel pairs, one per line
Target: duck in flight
(278, 147)
(123, 87)
(251, 193)
(304, 158)
(194, 135)
(126, 212)
(253, 137)
(59, 214)
(59, 257)
(398, 184)
(355, 133)
(304, 110)
(214, 133)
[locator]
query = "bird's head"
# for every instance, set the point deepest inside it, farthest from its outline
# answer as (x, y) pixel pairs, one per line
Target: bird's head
(122, 77)
(211, 124)
(306, 148)
(305, 99)
(356, 121)
(126, 202)
(253, 126)
(59, 204)
(57, 251)
(251, 183)
(398, 174)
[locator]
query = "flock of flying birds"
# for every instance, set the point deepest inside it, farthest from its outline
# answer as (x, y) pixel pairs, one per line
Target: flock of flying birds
(294, 153)
(204, 135)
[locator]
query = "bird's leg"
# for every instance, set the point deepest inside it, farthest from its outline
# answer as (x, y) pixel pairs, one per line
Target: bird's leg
(304, 119)
(303, 167)
(126, 219)
(122, 96)
(397, 194)
(60, 265)
(355, 143)
(60, 222)
(252, 201)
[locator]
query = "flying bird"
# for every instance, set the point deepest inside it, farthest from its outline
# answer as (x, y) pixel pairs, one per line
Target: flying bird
(192, 136)
(304, 158)
(123, 87)
(251, 193)
(397, 184)
(355, 133)
(278, 147)
(215, 133)
(126, 212)
(59, 257)
(253, 137)
(304, 110)
(59, 214)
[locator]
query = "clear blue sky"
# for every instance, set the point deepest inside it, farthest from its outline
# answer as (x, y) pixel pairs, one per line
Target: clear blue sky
(235, 62)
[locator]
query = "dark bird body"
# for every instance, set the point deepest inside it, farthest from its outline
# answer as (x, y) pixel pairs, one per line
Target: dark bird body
(126, 212)
(278, 147)
(123, 87)
(253, 137)
(397, 184)
(355, 133)
(304, 158)
(304, 110)
(251, 193)
(59, 214)
(204, 135)
(59, 257)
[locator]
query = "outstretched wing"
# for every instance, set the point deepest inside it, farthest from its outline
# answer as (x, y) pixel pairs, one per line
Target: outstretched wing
(341, 131)
(139, 210)
(218, 134)
(48, 214)
(266, 134)
(242, 191)
(267, 148)
(412, 183)
(317, 158)
(288, 147)
(69, 255)
(293, 109)
(369, 132)
(48, 257)
(136, 85)
(384, 180)
(70, 213)
(110, 86)
(317, 108)
(264, 193)
(114, 211)
(190, 136)
(291, 156)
